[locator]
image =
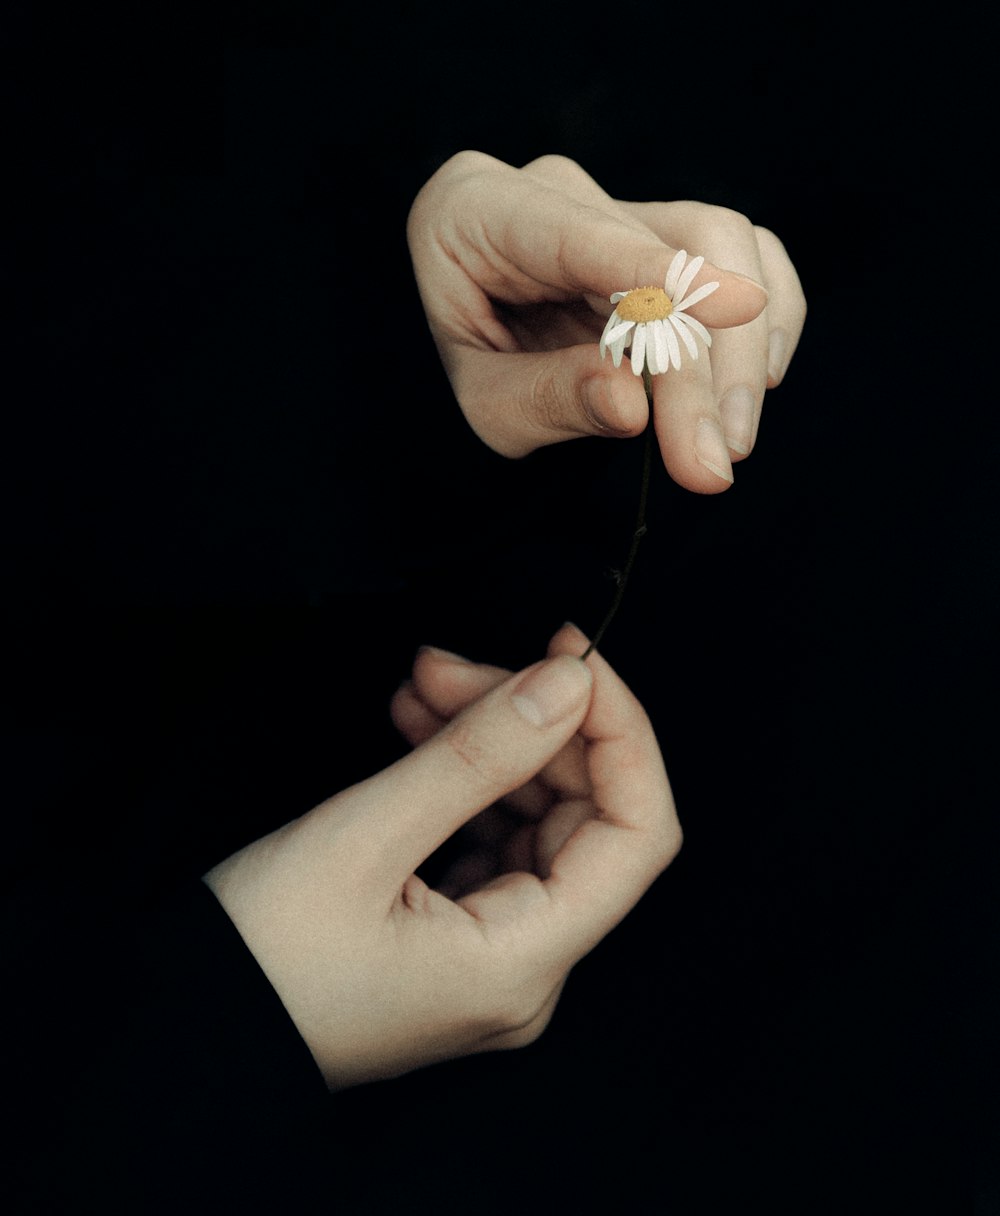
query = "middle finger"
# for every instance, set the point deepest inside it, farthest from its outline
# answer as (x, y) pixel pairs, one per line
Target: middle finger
(739, 355)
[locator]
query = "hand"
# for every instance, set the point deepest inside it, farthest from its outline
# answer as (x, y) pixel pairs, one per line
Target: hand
(382, 974)
(515, 268)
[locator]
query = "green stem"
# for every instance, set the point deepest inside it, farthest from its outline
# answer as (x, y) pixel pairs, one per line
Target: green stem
(640, 524)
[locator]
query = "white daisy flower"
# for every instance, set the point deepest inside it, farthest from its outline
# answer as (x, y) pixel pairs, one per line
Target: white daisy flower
(648, 320)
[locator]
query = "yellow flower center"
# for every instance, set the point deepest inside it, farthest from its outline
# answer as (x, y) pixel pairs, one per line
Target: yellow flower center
(645, 304)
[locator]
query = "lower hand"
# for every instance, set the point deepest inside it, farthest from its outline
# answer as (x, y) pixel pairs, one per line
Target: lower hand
(559, 772)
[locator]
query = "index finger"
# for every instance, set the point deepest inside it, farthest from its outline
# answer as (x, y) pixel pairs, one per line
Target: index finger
(610, 861)
(741, 295)
(542, 241)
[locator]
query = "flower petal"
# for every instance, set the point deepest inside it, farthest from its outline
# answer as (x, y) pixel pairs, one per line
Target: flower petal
(704, 290)
(685, 333)
(651, 364)
(674, 272)
(612, 335)
(638, 349)
(690, 270)
(697, 326)
(661, 349)
(618, 295)
(675, 350)
(618, 349)
(609, 326)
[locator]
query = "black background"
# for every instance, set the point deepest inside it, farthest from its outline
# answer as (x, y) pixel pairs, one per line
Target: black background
(241, 495)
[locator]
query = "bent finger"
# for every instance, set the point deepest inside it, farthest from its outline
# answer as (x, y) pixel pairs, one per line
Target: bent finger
(786, 309)
(739, 381)
(445, 683)
(608, 862)
(739, 356)
(469, 222)
(689, 426)
(396, 819)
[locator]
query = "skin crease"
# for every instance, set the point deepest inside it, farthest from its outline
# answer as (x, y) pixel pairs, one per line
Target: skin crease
(515, 268)
(549, 782)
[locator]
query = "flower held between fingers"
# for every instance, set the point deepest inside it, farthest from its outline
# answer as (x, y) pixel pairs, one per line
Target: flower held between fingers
(651, 319)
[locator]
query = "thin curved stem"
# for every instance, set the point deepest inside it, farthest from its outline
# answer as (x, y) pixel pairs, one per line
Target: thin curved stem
(640, 525)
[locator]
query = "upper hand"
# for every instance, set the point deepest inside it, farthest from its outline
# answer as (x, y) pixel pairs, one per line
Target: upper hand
(515, 268)
(383, 974)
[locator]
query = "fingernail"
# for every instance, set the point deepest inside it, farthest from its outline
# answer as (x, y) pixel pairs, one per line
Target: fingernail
(446, 656)
(710, 448)
(597, 399)
(593, 396)
(550, 691)
(747, 279)
(736, 409)
(777, 347)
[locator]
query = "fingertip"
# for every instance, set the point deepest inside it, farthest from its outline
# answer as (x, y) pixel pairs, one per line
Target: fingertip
(410, 716)
(399, 699)
(752, 288)
(571, 639)
(614, 707)
(693, 448)
(777, 356)
(737, 301)
(436, 654)
(568, 639)
(614, 405)
(433, 666)
(739, 409)
(553, 689)
(712, 453)
(699, 479)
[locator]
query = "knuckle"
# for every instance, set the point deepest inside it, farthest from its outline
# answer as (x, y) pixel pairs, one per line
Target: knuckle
(468, 161)
(766, 236)
(415, 218)
(725, 222)
(556, 167)
(692, 373)
(516, 1018)
(473, 172)
(670, 842)
(466, 165)
(468, 748)
(525, 1035)
(546, 404)
(461, 173)
(773, 248)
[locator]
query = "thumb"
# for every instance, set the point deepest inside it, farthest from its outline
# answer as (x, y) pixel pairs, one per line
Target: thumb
(398, 817)
(519, 402)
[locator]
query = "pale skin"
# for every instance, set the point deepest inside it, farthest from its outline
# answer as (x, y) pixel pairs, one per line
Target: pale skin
(558, 775)
(550, 780)
(515, 268)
